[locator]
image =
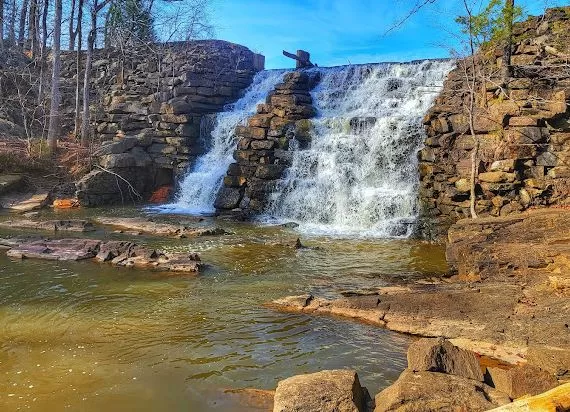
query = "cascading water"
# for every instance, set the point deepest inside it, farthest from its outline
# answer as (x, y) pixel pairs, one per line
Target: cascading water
(200, 186)
(359, 175)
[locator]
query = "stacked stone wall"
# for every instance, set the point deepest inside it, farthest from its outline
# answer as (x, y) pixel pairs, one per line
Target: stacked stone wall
(522, 132)
(149, 108)
(263, 152)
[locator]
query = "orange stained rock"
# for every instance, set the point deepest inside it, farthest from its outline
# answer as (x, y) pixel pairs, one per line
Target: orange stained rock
(554, 400)
(65, 203)
(161, 194)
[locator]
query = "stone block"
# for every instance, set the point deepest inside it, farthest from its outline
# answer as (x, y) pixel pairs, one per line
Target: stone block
(520, 380)
(325, 391)
(260, 120)
(269, 171)
(262, 144)
(505, 165)
(228, 198)
(497, 177)
(440, 355)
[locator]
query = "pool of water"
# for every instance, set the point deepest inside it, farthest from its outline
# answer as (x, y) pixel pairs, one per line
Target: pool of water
(89, 337)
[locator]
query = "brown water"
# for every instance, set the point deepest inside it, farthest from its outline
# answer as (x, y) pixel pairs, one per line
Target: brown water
(89, 337)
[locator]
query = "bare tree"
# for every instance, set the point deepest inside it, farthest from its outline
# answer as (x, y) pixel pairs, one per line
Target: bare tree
(33, 28)
(22, 25)
(79, 32)
(54, 127)
(72, 32)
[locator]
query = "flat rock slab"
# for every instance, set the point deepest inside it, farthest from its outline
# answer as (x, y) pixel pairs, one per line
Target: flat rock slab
(50, 225)
(325, 391)
(29, 203)
(126, 254)
(158, 229)
(437, 392)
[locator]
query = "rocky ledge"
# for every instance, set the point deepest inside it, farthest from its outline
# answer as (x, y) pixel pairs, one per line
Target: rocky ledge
(137, 225)
(117, 253)
(505, 296)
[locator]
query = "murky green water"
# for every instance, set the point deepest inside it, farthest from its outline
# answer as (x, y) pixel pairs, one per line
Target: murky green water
(89, 337)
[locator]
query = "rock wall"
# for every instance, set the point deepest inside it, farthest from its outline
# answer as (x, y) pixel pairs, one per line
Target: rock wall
(522, 130)
(150, 108)
(263, 151)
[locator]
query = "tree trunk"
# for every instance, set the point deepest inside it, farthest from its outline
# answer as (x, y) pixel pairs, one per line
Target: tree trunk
(72, 33)
(508, 50)
(22, 26)
(33, 28)
(1, 24)
(79, 32)
(12, 26)
(87, 77)
(53, 130)
(43, 53)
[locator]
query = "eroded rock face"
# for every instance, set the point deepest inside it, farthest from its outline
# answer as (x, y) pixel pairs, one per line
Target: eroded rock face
(440, 355)
(437, 392)
(325, 391)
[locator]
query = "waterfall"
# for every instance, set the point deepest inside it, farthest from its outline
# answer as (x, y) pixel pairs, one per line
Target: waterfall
(359, 174)
(199, 187)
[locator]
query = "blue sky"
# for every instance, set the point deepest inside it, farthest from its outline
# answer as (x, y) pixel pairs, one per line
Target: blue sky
(340, 32)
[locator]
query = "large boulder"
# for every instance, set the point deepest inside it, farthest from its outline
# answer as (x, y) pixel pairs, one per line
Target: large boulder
(325, 391)
(440, 355)
(437, 392)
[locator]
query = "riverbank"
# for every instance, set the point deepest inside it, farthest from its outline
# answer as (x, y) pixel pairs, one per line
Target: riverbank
(505, 296)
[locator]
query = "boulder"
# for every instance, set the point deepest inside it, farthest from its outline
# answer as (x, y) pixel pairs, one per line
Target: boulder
(325, 391)
(437, 392)
(440, 355)
(521, 380)
(117, 161)
(228, 198)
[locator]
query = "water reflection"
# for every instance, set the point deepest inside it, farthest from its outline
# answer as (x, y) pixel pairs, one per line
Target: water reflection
(89, 337)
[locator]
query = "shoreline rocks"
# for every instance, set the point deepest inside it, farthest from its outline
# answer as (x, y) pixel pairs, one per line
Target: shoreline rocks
(147, 226)
(117, 253)
(505, 295)
(72, 225)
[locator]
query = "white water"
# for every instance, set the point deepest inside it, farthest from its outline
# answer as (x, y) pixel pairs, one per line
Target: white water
(361, 180)
(199, 187)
